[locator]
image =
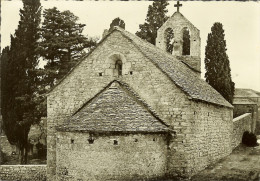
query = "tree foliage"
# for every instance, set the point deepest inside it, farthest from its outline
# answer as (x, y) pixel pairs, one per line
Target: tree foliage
(218, 72)
(19, 81)
(117, 22)
(186, 42)
(62, 43)
(155, 18)
(169, 40)
(6, 97)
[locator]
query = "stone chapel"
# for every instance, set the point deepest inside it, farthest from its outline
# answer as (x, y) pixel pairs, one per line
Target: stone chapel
(130, 110)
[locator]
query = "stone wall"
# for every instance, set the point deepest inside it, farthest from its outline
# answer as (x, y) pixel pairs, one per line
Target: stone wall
(240, 109)
(240, 125)
(150, 83)
(187, 153)
(23, 172)
(110, 157)
(203, 137)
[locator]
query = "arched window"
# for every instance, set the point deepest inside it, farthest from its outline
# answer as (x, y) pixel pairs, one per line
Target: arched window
(186, 42)
(169, 40)
(118, 68)
(115, 65)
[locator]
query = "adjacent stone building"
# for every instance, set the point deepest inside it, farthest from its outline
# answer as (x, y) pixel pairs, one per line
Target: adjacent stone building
(247, 94)
(131, 110)
(248, 101)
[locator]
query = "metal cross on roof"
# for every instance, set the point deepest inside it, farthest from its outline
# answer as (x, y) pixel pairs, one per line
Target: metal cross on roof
(178, 5)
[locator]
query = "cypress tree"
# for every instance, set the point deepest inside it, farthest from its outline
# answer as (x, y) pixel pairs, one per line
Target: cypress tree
(155, 18)
(186, 42)
(7, 96)
(218, 72)
(117, 22)
(20, 78)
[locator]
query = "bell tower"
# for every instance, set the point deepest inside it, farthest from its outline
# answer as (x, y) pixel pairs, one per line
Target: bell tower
(181, 38)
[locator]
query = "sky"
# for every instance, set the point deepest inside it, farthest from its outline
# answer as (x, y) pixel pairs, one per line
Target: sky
(241, 22)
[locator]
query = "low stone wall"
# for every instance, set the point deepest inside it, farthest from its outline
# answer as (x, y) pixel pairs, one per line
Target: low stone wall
(240, 109)
(240, 125)
(23, 172)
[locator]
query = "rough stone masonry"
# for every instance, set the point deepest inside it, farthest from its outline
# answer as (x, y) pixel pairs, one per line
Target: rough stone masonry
(132, 110)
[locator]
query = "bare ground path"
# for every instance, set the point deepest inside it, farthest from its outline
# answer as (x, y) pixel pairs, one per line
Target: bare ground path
(242, 165)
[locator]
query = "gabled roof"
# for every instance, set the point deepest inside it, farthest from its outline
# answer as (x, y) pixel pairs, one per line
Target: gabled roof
(178, 72)
(181, 74)
(246, 93)
(242, 100)
(115, 109)
(183, 17)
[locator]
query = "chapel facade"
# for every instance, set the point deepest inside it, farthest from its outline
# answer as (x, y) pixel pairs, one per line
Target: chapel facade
(131, 110)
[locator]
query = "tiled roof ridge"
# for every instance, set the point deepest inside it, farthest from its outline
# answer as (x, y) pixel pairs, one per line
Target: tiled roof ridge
(169, 55)
(243, 100)
(143, 102)
(125, 34)
(94, 97)
(153, 62)
(247, 91)
(117, 86)
(116, 28)
(125, 87)
(165, 73)
(187, 64)
(169, 60)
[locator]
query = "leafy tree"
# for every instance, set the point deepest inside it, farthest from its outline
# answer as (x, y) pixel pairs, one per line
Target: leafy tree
(155, 18)
(117, 22)
(186, 42)
(62, 43)
(218, 73)
(20, 78)
(169, 40)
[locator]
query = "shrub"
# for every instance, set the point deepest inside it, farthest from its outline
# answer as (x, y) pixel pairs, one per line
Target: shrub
(3, 157)
(42, 151)
(249, 139)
